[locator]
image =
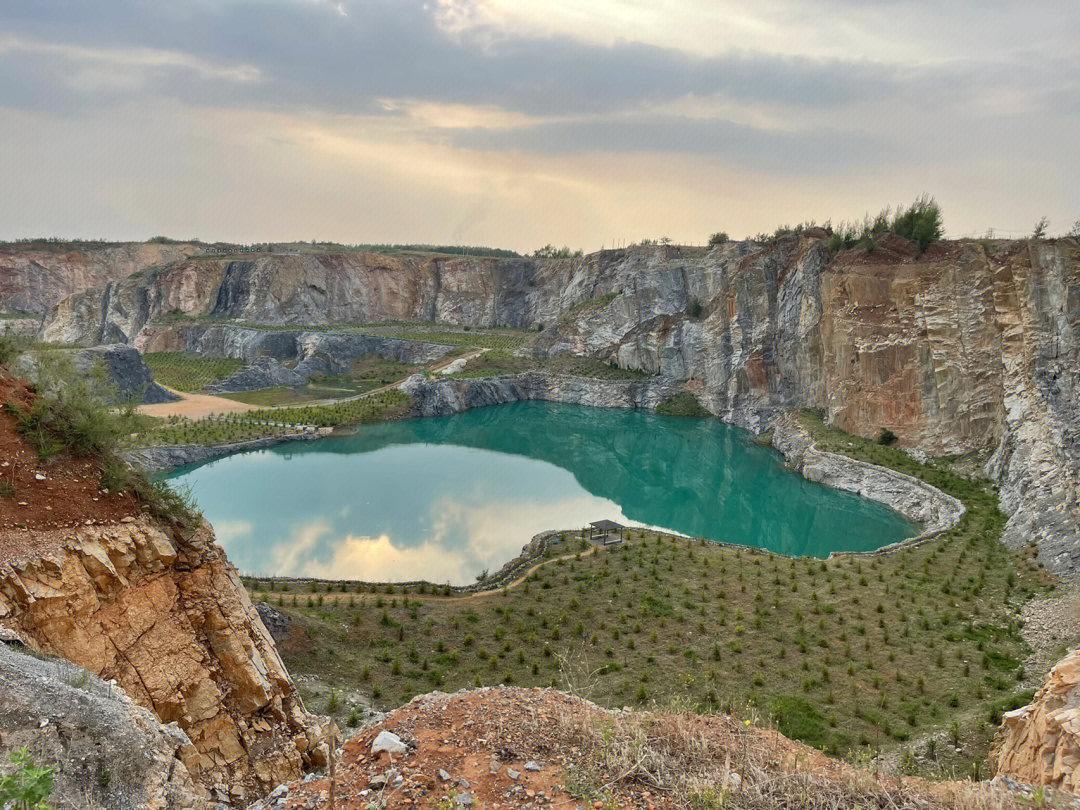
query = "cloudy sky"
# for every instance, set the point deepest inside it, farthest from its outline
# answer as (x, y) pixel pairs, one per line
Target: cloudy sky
(519, 122)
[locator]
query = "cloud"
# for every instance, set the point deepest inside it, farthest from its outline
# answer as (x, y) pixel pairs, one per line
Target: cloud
(313, 55)
(519, 123)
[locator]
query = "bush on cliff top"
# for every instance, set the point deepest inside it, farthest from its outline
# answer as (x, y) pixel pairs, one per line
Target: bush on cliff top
(73, 412)
(920, 222)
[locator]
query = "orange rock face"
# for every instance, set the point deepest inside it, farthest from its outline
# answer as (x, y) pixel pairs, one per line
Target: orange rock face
(169, 620)
(1040, 743)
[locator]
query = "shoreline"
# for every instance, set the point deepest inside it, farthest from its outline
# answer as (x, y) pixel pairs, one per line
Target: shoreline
(929, 508)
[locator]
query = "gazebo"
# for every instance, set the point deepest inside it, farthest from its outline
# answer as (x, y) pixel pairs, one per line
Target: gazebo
(607, 532)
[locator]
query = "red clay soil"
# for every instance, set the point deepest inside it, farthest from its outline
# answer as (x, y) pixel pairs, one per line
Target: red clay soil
(60, 494)
(507, 747)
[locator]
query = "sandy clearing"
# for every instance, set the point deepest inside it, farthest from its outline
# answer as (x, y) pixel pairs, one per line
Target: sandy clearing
(195, 406)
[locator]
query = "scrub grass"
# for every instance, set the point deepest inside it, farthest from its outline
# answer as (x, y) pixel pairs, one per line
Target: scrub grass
(187, 371)
(915, 652)
(258, 424)
(682, 404)
(368, 373)
(495, 363)
(473, 338)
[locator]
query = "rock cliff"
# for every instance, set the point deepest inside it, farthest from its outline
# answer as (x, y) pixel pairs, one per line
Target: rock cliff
(1040, 743)
(107, 750)
(35, 275)
(963, 348)
(168, 619)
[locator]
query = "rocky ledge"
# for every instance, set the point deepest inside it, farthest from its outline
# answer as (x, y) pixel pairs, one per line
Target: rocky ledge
(1040, 743)
(108, 750)
(167, 618)
(123, 367)
(916, 500)
(439, 397)
(162, 457)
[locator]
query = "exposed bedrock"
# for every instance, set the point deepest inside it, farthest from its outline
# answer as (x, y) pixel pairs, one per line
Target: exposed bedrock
(308, 353)
(955, 350)
(123, 365)
(169, 620)
(442, 396)
(107, 750)
(1040, 743)
(35, 275)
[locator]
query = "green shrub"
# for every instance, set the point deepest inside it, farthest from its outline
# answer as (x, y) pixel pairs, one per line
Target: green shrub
(696, 308)
(718, 238)
(10, 346)
(920, 222)
(797, 718)
(682, 404)
(886, 437)
(28, 787)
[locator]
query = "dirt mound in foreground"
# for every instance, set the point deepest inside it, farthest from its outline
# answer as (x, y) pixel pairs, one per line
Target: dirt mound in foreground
(509, 747)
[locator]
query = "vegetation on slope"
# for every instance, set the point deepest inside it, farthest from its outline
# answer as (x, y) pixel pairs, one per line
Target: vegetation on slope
(187, 371)
(855, 654)
(72, 413)
(230, 428)
(681, 404)
(494, 363)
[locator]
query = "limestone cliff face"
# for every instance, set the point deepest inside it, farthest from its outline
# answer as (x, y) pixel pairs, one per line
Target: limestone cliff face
(107, 750)
(34, 276)
(1040, 743)
(954, 350)
(169, 620)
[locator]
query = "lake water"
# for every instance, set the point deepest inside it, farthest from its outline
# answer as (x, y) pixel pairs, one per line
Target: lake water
(444, 498)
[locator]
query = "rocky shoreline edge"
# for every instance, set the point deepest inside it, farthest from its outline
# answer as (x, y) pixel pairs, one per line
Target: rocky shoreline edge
(917, 501)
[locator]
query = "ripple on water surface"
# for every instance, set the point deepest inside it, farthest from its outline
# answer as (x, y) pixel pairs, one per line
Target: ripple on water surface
(444, 498)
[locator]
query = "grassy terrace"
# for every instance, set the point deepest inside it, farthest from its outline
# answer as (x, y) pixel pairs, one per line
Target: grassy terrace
(187, 371)
(368, 373)
(496, 362)
(240, 427)
(915, 651)
(494, 338)
(425, 331)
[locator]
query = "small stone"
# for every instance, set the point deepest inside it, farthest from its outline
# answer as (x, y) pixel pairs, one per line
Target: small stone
(465, 784)
(512, 773)
(39, 476)
(389, 742)
(464, 800)
(280, 792)
(532, 766)
(444, 775)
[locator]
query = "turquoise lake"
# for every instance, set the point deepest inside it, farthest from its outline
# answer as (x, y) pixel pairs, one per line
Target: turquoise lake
(445, 498)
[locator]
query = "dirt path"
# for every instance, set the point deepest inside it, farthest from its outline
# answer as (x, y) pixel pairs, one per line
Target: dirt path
(195, 406)
(337, 597)
(198, 406)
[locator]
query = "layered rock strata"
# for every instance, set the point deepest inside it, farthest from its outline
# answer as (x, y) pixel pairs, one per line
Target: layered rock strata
(35, 275)
(964, 348)
(1040, 743)
(442, 396)
(168, 619)
(107, 751)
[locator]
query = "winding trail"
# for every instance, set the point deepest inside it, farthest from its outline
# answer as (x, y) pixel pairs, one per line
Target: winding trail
(199, 406)
(428, 597)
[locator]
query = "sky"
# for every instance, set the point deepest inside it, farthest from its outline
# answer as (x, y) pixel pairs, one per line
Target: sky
(515, 123)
